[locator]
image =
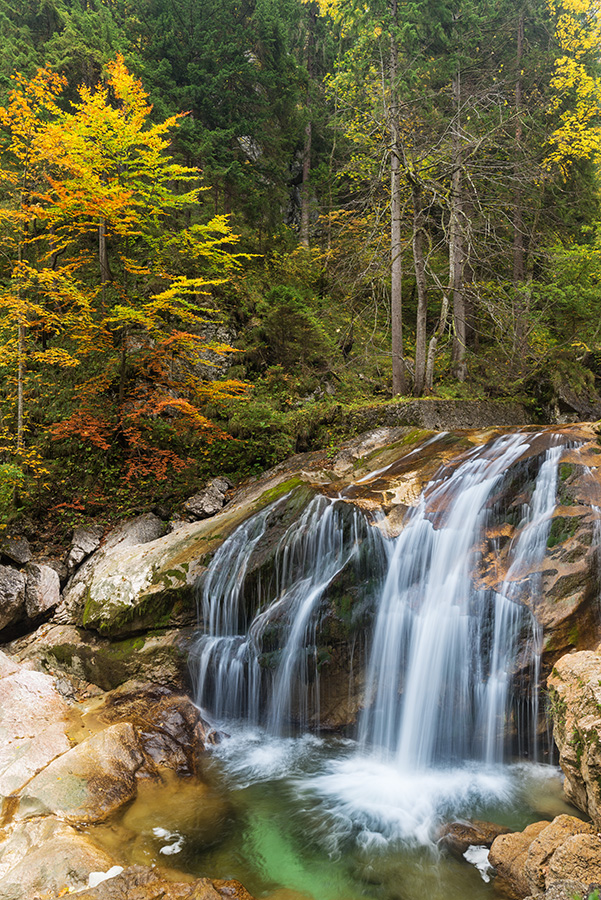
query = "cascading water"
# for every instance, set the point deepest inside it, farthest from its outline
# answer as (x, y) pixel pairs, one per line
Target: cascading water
(235, 676)
(453, 651)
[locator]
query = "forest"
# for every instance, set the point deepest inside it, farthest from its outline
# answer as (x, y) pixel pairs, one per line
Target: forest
(226, 223)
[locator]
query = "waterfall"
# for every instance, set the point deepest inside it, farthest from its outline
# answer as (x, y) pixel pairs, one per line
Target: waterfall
(258, 658)
(444, 646)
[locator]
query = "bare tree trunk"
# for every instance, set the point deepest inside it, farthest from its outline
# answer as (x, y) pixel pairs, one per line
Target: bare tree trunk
(399, 371)
(20, 364)
(440, 327)
(519, 261)
(457, 243)
(422, 298)
(103, 259)
(306, 189)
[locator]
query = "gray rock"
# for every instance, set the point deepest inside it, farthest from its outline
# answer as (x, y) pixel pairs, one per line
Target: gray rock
(141, 530)
(89, 782)
(208, 501)
(85, 541)
(16, 548)
(43, 589)
(12, 596)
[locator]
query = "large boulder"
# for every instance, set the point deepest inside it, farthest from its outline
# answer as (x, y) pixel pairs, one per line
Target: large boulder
(12, 597)
(43, 589)
(575, 691)
(546, 854)
(208, 501)
(90, 781)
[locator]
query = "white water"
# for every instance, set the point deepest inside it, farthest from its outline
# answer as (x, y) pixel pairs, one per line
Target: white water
(440, 690)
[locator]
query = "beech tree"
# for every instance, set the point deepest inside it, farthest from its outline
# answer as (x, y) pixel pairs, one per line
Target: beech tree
(102, 172)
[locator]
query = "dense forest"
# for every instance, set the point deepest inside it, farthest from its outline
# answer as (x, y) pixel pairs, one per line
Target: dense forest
(225, 222)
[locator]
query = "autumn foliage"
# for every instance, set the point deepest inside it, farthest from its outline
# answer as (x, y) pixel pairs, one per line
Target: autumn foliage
(109, 270)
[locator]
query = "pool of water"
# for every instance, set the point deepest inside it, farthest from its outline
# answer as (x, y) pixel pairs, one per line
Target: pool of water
(311, 818)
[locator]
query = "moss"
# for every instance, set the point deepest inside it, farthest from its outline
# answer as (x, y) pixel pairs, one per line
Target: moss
(558, 708)
(565, 470)
(280, 490)
(574, 636)
(562, 529)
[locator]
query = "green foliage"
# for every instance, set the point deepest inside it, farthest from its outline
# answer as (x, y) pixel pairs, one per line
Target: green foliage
(11, 478)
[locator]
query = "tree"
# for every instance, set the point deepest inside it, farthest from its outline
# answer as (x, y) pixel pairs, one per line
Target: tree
(107, 176)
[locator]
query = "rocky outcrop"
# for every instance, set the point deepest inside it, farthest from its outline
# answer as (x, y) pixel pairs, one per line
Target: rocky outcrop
(12, 596)
(456, 837)
(42, 591)
(545, 855)
(575, 691)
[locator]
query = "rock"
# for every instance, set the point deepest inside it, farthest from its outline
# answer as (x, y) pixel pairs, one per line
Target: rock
(89, 782)
(508, 855)
(12, 596)
(169, 724)
(144, 883)
(141, 530)
(575, 691)
(86, 540)
(456, 837)
(208, 501)
(84, 657)
(578, 858)
(43, 589)
(33, 718)
(544, 847)
(45, 858)
(16, 549)
(563, 890)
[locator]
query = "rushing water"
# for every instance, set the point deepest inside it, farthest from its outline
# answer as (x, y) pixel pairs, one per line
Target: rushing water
(333, 818)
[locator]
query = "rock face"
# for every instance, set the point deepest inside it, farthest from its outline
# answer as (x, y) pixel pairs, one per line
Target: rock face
(456, 837)
(575, 689)
(85, 541)
(546, 855)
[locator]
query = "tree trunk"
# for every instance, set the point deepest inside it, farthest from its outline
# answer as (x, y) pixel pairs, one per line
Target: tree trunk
(457, 242)
(420, 281)
(103, 259)
(306, 189)
(440, 327)
(399, 373)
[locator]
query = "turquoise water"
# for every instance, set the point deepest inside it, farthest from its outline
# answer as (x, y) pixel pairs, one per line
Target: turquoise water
(307, 818)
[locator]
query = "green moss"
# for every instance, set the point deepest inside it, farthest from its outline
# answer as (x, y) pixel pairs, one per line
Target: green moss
(574, 635)
(562, 529)
(279, 491)
(565, 470)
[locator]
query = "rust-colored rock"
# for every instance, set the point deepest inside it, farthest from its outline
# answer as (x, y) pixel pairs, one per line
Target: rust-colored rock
(456, 837)
(575, 688)
(508, 855)
(543, 848)
(579, 858)
(143, 883)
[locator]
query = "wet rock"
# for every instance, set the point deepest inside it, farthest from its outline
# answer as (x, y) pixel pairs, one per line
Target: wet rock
(86, 540)
(170, 727)
(575, 689)
(89, 782)
(47, 858)
(544, 847)
(508, 855)
(456, 837)
(43, 589)
(208, 501)
(143, 883)
(16, 549)
(12, 596)
(33, 718)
